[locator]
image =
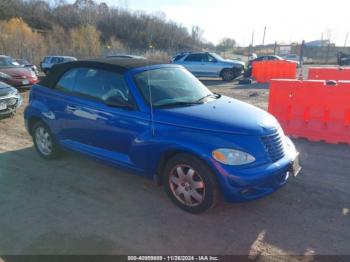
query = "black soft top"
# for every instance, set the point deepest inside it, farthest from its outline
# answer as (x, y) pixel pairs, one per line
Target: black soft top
(117, 65)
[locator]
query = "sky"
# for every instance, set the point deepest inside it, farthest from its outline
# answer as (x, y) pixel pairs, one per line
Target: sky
(285, 21)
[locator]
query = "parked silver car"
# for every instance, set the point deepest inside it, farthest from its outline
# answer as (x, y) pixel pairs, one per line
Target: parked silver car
(10, 100)
(50, 61)
(204, 64)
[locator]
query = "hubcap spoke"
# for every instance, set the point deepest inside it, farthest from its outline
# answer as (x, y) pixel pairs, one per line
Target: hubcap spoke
(190, 174)
(176, 180)
(180, 172)
(187, 197)
(198, 197)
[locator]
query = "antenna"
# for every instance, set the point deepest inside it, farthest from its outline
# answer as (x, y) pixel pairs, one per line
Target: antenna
(263, 42)
(151, 101)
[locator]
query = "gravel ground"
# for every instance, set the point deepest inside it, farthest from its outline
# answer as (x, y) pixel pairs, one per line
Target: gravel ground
(76, 205)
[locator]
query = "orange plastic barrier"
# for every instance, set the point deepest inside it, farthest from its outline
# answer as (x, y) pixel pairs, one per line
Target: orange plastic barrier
(264, 71)
(329, 73)
(312, 109)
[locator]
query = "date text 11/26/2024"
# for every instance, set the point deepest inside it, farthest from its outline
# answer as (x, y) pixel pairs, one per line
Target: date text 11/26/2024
(173, 258)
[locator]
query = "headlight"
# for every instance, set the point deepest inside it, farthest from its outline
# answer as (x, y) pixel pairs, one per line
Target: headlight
(3, 75)
(12, 101)
(14, 91)
(232, 157)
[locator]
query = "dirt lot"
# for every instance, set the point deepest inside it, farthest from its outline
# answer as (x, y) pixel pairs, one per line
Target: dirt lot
(78, 206)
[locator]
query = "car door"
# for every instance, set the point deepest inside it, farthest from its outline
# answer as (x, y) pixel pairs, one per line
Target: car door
(94, 127)
(193, 63)
(210, 66)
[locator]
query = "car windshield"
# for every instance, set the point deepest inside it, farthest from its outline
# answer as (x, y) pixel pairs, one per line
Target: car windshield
(8, 62)
(171, 87)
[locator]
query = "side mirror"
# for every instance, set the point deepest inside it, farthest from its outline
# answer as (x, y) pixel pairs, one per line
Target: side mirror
(117, 101)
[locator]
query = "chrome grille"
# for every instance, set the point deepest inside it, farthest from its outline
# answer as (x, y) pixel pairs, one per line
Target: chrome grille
(274, 146)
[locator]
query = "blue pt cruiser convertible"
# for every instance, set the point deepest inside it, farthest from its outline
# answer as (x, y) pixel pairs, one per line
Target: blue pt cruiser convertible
(159, 121)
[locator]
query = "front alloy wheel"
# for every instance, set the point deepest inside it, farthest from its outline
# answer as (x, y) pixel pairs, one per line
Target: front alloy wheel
(187, 185)
(190, 183)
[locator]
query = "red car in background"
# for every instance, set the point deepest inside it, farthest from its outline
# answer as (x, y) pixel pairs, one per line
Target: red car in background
(15, 75)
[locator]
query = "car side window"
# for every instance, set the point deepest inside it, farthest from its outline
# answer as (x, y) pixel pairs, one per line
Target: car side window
(178, 57)
(67, 81)
(101, 85)
(210, 58)
(194, 58)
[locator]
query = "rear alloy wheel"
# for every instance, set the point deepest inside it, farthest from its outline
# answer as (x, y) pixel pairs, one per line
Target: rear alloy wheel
(43, 141)
(228, 75)
(190, 184)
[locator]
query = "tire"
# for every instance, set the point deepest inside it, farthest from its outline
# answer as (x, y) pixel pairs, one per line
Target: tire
(248, 73)
(190, 184)
(228, 75)
(40, 132)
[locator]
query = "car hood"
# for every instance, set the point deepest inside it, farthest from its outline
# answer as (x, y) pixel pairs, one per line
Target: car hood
(16, 71)
(5, 89)
(234, 62)
(225, 114)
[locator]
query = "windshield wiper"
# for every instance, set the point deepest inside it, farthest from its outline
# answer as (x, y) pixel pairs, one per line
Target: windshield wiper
(180, 103)
(209, 95)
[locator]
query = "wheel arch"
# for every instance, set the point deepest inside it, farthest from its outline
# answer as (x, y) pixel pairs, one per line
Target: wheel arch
(225, 68)
(32, 121)
(176, 151)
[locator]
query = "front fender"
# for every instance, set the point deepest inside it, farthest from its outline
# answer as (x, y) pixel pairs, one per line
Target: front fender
(152, 148)
(38, 110)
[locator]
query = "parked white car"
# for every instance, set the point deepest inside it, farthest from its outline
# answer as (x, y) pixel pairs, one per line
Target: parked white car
(293, 57)
(49, 61)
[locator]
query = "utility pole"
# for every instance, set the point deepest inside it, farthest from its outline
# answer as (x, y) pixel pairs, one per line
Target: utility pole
(264, 36)
(275, 48)
(301, 60)
(251, 46)
(346, 39)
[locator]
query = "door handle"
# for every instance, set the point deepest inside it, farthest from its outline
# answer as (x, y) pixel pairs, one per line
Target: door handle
(71, 109)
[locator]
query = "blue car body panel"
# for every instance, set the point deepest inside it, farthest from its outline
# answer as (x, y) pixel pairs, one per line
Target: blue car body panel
(130, 139)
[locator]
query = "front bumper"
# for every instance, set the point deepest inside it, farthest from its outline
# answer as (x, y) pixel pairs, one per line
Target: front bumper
(17, 82)
(11, 102)
(252, 183)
